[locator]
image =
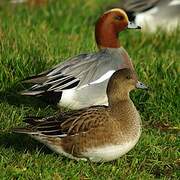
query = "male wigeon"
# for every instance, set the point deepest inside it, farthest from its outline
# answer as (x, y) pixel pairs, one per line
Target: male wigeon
(152, 14)
(81, 81)
(97, 133)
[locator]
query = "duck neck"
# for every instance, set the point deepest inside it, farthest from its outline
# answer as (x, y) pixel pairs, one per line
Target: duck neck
(120, 102)
(106, 35)
(123, 109)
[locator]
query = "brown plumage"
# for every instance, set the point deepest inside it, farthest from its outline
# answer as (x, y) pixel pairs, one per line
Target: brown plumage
(100, 133)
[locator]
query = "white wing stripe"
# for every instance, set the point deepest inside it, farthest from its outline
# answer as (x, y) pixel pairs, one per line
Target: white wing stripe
(103, 77)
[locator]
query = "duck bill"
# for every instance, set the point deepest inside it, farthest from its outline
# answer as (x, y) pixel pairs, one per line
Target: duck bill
(132, 25)
(140, 85)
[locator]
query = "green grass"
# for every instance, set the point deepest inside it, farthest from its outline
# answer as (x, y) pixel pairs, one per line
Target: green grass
(33, 39)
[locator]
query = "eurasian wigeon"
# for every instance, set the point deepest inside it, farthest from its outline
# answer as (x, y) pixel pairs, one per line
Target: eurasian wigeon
(81, 81)
(152, 14)
(97, 133)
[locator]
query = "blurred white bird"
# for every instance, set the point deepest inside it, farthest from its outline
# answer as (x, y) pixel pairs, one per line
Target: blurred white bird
(30, 2)
(152, 14)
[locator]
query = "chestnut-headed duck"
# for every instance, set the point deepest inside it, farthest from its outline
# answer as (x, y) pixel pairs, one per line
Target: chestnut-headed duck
(152, 14)
(98, 133)
(81, 81)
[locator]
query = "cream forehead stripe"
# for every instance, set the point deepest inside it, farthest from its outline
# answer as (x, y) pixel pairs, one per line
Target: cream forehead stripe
(117, 10)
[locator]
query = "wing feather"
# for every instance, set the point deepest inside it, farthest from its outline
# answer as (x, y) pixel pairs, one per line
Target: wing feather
(77, 72)
(68, 124)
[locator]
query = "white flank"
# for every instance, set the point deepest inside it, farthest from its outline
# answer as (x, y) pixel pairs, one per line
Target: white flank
(68, 99)
(110, 152)
(67, 95)
(101, 154)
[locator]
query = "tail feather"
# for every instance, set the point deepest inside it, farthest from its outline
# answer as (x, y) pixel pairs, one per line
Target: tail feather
(24, 130)
(35, 80)
(38, 79)
(31, 93)
(41, 126)
(33, 120)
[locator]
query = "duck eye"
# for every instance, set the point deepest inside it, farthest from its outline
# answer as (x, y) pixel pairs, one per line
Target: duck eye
(119, 18)
(128, 77)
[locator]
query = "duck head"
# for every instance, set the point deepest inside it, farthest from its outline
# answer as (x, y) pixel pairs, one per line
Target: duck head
(108, 27)
(121, 83)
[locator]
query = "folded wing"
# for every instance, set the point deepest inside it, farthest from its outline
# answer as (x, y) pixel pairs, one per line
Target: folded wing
(77, 72)
(68, 124)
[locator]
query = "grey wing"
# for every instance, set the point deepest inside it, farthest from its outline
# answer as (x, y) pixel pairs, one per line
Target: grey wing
(79, 71)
